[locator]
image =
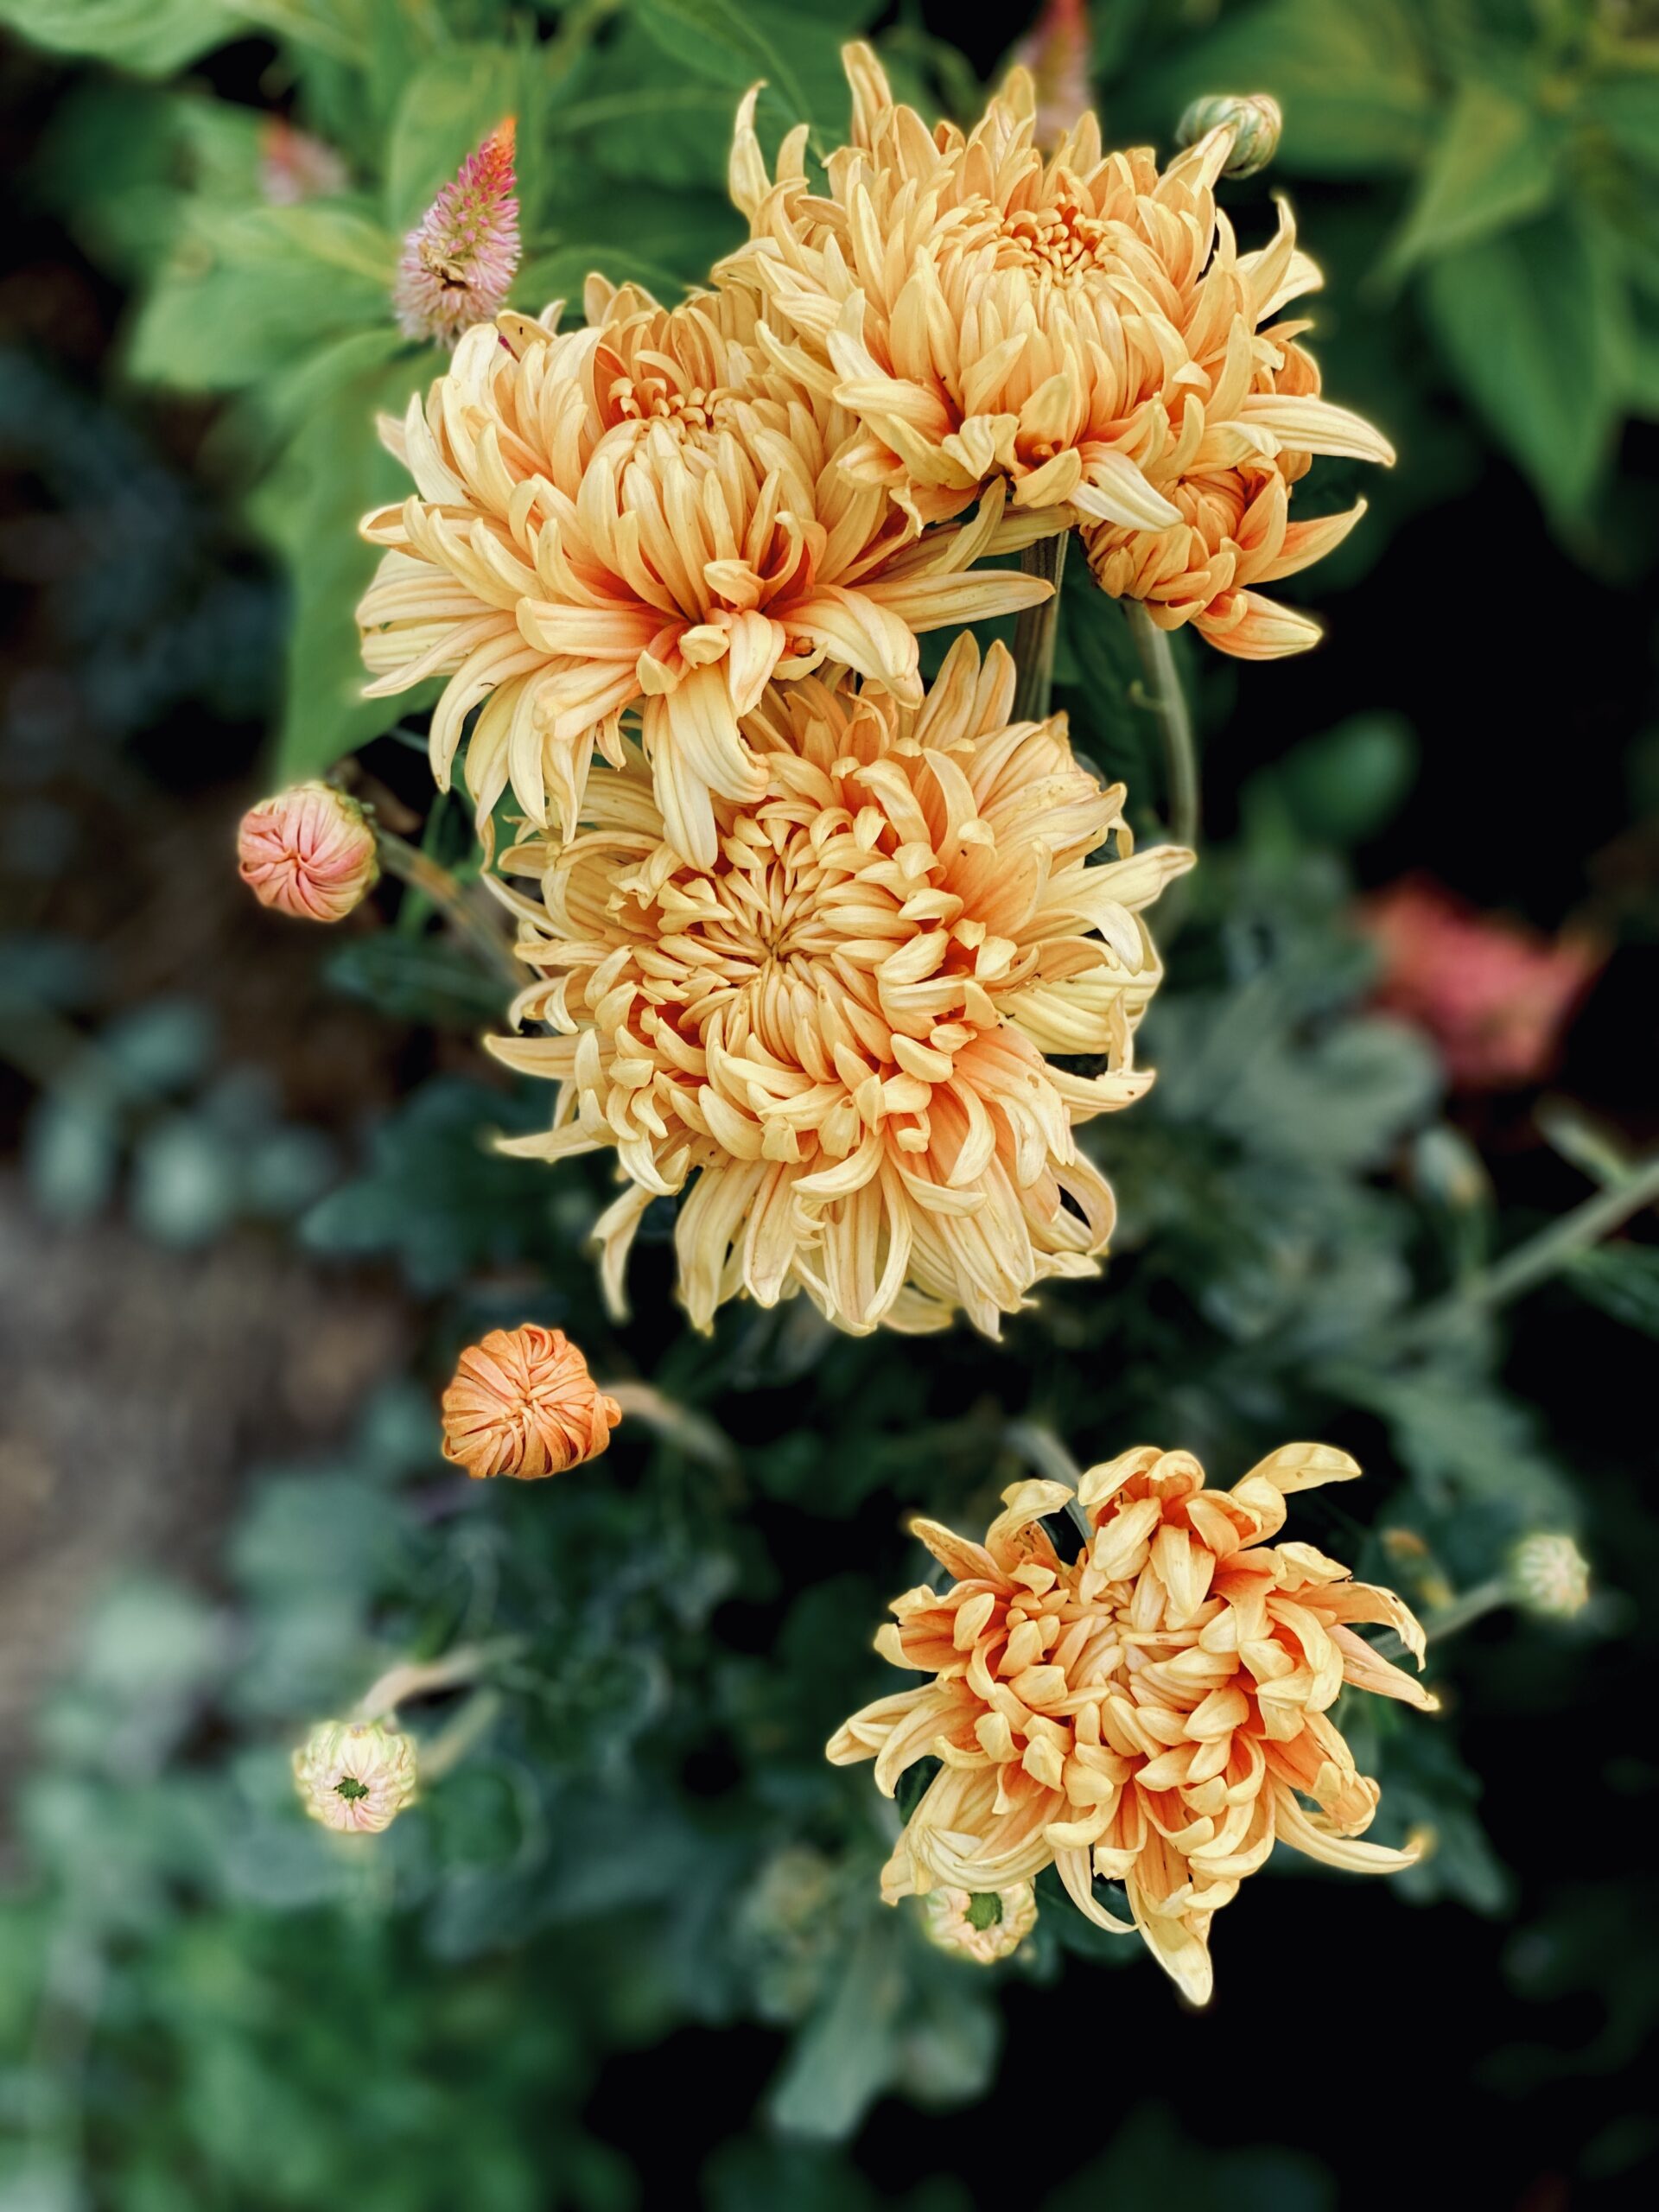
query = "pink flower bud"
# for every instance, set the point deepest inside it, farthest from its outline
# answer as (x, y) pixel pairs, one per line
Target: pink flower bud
(309, 851)
(460, 259)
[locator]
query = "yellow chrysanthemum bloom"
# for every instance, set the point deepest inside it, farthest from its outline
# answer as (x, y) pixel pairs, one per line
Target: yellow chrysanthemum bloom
(1082, 328)
(1152, 1708)
(832, 1039)
(644, 514)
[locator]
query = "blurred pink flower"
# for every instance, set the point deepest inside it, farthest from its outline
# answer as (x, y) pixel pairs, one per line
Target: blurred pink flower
(1058, 51)
(309, 852)
(294, 166)
(1495, 995)
(460, 258)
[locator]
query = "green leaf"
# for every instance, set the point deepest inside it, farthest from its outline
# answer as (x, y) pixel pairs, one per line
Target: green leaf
(256, 289)
(416, 979)
(1343, 787)
(736, 45)
(1623, 1279)
(152, 38)
(435, 1194)
(1356, 84)
(1627, 109)
(1532, 323)
(332, 471)
(1493, 165)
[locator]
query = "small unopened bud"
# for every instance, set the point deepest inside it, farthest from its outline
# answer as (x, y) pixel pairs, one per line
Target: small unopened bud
(309, 851)
(984, 1925)
(1550, 1576)
(459, 260)
(523, 1402)
(1254, 119)
(355, 1775)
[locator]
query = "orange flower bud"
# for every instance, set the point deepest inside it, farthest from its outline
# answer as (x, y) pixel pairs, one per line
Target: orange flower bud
(309, 851)
(523, 1404)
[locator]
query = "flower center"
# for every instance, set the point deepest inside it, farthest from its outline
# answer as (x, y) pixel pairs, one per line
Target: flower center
(1059, 242)
(689, 409)
(350, 1788)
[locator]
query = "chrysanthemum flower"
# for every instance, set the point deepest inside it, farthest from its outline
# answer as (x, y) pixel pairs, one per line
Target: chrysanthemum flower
(523, 1404)
(309, 852)
(985, 1925)
(1084, 327)
(355, 1775)
(641, 515)
(459, 260)
(1153, 1708)
(832, 1038)
(1496, 997)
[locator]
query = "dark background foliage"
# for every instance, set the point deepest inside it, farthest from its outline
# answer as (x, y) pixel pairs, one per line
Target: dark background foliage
(628, 1950)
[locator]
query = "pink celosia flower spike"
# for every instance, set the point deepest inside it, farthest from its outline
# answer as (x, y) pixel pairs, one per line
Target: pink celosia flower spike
(459, 260)
(1058, 50)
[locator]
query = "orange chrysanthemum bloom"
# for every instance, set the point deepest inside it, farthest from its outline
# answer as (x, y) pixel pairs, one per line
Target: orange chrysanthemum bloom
(1084, 327)
(835, 1035)
(523, 1404)
(1153, 1708)
(643, 515)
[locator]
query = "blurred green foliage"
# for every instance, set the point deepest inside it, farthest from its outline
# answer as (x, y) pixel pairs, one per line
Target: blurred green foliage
(204, 2001)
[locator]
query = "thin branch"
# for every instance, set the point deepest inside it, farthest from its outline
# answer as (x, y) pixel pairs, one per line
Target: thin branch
(1036, 629)
(410, 865)
(1541, 1256)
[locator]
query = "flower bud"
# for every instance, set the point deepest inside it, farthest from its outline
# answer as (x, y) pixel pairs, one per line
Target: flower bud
(309, 851)
(984, 1925)
(523, 1404)
(355, 1775)
(1254, 120)
(459, 260)
(1550, 1576)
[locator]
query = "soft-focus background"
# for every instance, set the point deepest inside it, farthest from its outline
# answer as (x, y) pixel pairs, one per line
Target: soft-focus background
(248, 1218)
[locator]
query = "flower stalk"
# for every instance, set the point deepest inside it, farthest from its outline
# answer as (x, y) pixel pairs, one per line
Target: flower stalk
(1535, 1260)
(1168, 702)
(1037, 630)
(449, 896)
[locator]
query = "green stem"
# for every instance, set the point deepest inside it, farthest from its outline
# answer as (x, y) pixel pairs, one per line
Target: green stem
(421, 1677)
(434, 881)
(1169, 703)
(1473, 1605)
(1539, 1257)
(1036, 629)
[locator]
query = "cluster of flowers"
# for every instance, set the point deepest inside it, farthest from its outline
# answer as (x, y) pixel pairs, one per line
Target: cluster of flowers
(824, 951)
